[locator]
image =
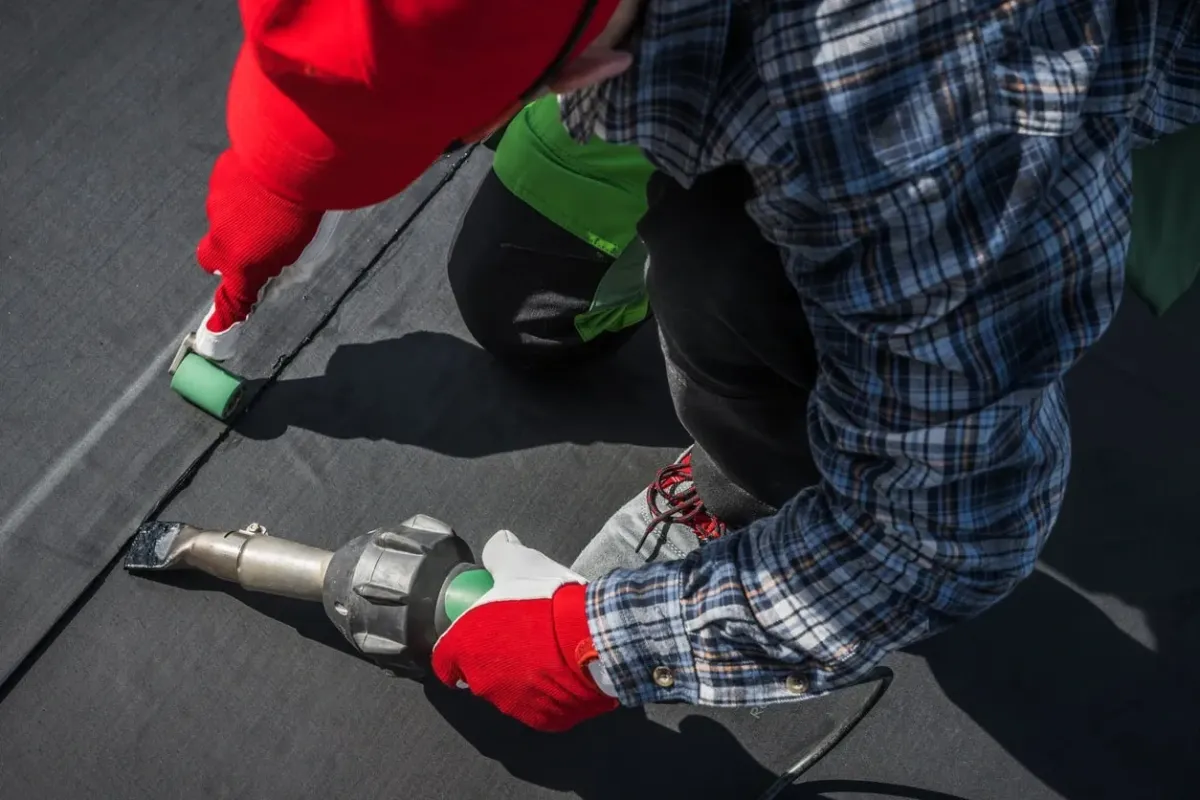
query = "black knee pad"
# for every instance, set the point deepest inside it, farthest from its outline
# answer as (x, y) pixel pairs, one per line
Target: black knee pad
(520, 281)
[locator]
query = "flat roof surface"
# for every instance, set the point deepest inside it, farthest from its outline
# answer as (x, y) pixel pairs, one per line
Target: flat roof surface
(374, 404)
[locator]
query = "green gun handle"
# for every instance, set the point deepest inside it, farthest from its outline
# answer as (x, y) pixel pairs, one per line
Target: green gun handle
(464, 590)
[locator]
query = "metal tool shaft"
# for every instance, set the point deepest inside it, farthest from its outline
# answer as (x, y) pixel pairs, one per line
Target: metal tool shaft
(256, 562)
(391, 592)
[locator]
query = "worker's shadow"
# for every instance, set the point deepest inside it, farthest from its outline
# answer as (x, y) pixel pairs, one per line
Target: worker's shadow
(1050, 673)
(1086, 709)
(306, 618)
(617, 756)
(436, 391)
(626, 756)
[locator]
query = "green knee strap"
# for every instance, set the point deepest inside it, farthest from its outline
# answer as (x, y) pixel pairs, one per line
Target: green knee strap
(596, 191)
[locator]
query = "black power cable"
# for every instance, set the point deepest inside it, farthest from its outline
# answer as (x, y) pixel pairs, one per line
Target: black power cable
(882, 676)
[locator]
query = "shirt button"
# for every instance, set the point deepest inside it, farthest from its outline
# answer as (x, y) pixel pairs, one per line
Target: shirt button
(664, 677)
(796, 684)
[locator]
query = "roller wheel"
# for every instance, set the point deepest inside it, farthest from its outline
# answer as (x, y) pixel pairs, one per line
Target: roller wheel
(207, 386)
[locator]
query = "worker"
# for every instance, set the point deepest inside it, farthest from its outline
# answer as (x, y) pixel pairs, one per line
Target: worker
(876, 237)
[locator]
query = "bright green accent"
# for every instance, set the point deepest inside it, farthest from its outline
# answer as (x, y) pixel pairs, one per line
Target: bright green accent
(591, 324)
(621, 299)
(603, 245)
(1164, 251)
(465, 590)
(206, 385)
(596, 191)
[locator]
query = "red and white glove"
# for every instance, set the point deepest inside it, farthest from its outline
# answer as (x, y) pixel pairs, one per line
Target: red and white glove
(525, 646)
(257, 243)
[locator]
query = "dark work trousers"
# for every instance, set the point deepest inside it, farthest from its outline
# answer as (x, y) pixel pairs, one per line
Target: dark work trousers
(739, 354)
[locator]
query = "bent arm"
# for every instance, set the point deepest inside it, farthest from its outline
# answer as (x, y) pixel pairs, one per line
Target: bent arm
(938, 423)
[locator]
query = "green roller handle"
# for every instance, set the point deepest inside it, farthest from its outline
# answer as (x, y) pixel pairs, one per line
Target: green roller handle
(465, 590)
(207, 386)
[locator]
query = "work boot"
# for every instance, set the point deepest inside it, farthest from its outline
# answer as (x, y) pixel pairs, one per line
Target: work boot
(666, 521)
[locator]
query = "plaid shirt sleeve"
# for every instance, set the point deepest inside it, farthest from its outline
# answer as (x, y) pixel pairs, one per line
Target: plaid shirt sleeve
(950, 189)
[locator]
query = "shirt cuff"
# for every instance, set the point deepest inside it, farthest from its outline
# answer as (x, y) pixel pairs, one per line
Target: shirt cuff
(642, 647)
(722, 628)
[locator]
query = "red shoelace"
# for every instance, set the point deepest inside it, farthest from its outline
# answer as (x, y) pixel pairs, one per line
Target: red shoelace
(682, 505)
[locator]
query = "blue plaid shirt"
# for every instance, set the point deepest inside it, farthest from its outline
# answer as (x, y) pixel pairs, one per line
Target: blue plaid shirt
(949, 184)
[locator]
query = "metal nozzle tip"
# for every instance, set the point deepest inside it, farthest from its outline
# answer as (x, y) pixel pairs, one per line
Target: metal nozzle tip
(248, 557)
(153, 546)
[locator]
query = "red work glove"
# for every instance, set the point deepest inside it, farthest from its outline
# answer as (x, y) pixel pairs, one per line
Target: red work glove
(257, 243)
(524, 646)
